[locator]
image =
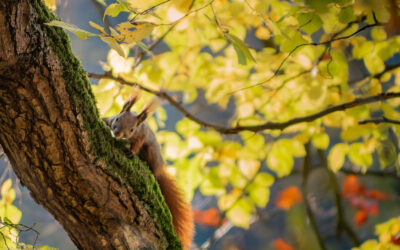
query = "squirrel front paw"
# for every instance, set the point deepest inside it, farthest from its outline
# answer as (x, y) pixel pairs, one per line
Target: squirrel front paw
(130, 154)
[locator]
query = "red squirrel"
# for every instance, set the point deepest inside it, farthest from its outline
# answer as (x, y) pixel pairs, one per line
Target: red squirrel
(132, 128)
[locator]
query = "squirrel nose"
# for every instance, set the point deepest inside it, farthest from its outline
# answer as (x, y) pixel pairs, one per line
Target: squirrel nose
(117, 133)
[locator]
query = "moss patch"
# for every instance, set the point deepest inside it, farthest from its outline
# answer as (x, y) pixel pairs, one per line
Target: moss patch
(103, 145)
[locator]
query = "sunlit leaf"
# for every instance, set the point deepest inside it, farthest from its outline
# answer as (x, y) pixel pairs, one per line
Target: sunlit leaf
(82, 34)
(135, 31)
(249, 167)
(259, 195)
(241, 49)
(98, 27)
(321, 140)
(387, 153)
(114, 9)
(337, 156)
(240, 213)
(358, 155)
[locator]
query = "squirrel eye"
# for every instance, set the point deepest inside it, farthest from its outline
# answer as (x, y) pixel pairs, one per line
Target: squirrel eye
(131, 129)
(116, 119)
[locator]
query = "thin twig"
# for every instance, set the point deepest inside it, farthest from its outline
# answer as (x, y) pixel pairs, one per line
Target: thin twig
(256, 128)
(370, 173)
(328, 42)
(172, 26)
(341, 221)
(379, 120)
(311, 219)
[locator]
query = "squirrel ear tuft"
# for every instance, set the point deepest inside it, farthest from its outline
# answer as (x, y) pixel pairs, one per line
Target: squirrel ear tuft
(107, 120)
(148, 109)
(132, 100)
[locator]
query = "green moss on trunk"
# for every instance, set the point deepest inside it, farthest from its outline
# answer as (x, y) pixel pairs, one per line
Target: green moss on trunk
(103, 145)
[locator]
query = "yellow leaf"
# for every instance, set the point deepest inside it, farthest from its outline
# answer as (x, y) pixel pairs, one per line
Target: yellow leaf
(135, 31)
(97, 27)
(51, 4)
(182, 5)
(263, 33)
(249, 167)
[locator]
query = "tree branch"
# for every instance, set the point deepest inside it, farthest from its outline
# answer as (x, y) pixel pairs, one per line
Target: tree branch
(379, 120)
(265, 126)
(306, 171)
(370, 173)
(341, 221)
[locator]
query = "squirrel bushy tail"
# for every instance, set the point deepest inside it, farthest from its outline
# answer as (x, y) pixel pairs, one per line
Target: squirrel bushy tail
(181, 211)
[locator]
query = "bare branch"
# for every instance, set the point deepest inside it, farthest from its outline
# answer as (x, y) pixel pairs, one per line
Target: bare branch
(370, 173)
(341, 221)
(379, 120)
(306, 171)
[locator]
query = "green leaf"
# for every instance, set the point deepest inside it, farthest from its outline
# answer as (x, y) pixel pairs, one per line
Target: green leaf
(45, 247)
(241, 49)
(187, 127)
(5, 188)
(237, 179)
(264, 179)
(249, 167)
(11, 212)
(114, 9)
(80, 33)
(98, 27)
(353, 133)
(320, 140)
(209, 138)
(280, 161)
(337, 156)
(309, 22)
(346, 15)
(113, 45)
(358, 156)
(387, 153)
(212, 183)
(292, 146)
(225, 201)
(240, 213)
(259, 195)
(378, 34)
(374, 63)
(362, 49)
(102, 2)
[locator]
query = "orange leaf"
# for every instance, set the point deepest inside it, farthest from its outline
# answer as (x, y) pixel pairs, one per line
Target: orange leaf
(373, 209)
(288, 197)
(280, 244)
(395, 239)
(360, 217)
(209, 217)
(351, 185)
(377, 195)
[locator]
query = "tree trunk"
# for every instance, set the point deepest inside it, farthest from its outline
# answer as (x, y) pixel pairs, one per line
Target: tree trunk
(61, 150)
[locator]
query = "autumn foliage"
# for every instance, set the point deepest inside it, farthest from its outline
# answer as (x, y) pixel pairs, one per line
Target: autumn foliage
(288, 197)
(364, 200)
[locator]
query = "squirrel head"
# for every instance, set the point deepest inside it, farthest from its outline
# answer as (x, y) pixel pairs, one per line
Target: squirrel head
(124, 124)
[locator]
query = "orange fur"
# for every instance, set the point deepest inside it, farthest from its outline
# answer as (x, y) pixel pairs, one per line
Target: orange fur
(181, 211)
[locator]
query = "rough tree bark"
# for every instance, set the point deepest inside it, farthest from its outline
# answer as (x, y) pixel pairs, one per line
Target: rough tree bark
(51, 133)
